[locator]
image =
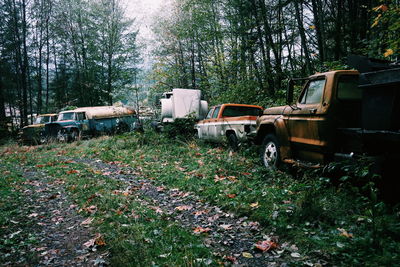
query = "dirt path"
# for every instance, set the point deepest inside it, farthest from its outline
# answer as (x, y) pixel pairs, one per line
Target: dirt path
(230, 237)
(60, 237)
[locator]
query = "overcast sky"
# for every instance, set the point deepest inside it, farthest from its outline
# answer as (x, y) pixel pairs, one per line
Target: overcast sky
(144, 11)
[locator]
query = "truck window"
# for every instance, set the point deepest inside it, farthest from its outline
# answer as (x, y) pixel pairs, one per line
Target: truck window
(66, 116)
(216, 111)
(313, 92)
(81, 116)
(209, 114)
(42, 119)
(347, 88)
(237, 111)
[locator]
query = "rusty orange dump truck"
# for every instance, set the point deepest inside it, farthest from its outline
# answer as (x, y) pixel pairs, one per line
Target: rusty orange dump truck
(338, 114)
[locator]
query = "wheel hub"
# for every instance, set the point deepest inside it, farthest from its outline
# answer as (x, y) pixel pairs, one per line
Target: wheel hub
(270, 154)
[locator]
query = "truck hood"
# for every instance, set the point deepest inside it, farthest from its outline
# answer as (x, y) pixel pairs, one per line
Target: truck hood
(62, 123)
(33, 126)
(275, 110)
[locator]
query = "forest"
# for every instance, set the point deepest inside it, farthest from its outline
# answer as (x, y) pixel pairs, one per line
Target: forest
(55, 54)
(103, 186)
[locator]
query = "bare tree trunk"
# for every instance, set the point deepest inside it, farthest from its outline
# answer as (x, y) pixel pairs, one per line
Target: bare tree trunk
(299, 18)
(48, 56)
(24, 71)
(2, 101)
(317, 13)
(266, 63)
(338, 30)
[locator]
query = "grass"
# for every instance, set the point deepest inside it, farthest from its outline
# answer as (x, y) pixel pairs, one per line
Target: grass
(14, 210)
(330, 220)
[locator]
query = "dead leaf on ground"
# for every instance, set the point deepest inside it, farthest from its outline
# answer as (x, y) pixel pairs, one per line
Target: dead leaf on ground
(200, 212)
(158, 210)
(184, 207)
(231, 195)
(266, 245)
(226, 226)
(91, 209)
(231, 259)
(255, 205)
(73, 172)
(219, 178)
(160, 188)
(33, 215)
(344, 233)
(199, 230)
(247, 255)
(89, 243)
(99, 240)
(87, 221)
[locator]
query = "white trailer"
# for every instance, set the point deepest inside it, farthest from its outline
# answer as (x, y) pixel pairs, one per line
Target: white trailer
(182, 103)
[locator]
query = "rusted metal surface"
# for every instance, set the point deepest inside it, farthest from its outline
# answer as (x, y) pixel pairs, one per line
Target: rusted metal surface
(31, 134)
(306, 130)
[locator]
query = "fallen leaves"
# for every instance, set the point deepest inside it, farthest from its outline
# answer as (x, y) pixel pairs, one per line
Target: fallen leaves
(91, 209)
(183, 207)
(231, 195)
(200, 212)
(200, 230)
(87, 222)
(255, 205)
(231, 259)
(226, 226)
(344, 233)
(247, 255)
(265, 245)
(73, 172)
(98, 241)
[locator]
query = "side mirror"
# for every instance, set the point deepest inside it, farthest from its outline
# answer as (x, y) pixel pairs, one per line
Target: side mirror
(289, 92)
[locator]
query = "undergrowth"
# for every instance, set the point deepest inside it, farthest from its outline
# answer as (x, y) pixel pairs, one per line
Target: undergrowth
(334, 216)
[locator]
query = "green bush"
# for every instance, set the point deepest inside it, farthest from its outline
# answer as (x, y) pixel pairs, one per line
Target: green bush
(181, 129)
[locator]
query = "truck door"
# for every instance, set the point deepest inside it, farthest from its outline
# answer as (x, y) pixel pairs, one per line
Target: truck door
(212, 125)
(203, 125)
(82, 121)
(306, 119)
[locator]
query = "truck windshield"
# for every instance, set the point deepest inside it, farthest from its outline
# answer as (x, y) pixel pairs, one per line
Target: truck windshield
(42, 119)
(314, 91)
(66, 116)
(210, 113)
(347, 88)
(237, 111)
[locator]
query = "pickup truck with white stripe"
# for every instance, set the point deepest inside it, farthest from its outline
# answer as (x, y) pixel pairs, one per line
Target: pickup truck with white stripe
(234, 123)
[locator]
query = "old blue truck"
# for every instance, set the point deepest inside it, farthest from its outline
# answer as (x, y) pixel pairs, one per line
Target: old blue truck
(75, 124)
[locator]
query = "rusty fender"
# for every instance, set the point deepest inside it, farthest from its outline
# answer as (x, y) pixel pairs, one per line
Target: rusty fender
(275, 124)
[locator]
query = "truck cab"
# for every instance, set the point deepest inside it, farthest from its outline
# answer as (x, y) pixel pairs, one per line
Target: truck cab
(235, 123)
(307, 129)
(31, 134)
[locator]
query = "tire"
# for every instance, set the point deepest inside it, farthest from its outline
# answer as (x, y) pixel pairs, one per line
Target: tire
(62, 137)
(75, 136)
(270, 152)
(233, 141)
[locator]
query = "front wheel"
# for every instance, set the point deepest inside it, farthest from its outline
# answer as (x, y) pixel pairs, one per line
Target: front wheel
(75, 135)
(270, 154)
(233, 141)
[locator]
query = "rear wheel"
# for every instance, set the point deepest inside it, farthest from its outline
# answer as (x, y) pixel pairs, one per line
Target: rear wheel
(233, 141)
(270, 154)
